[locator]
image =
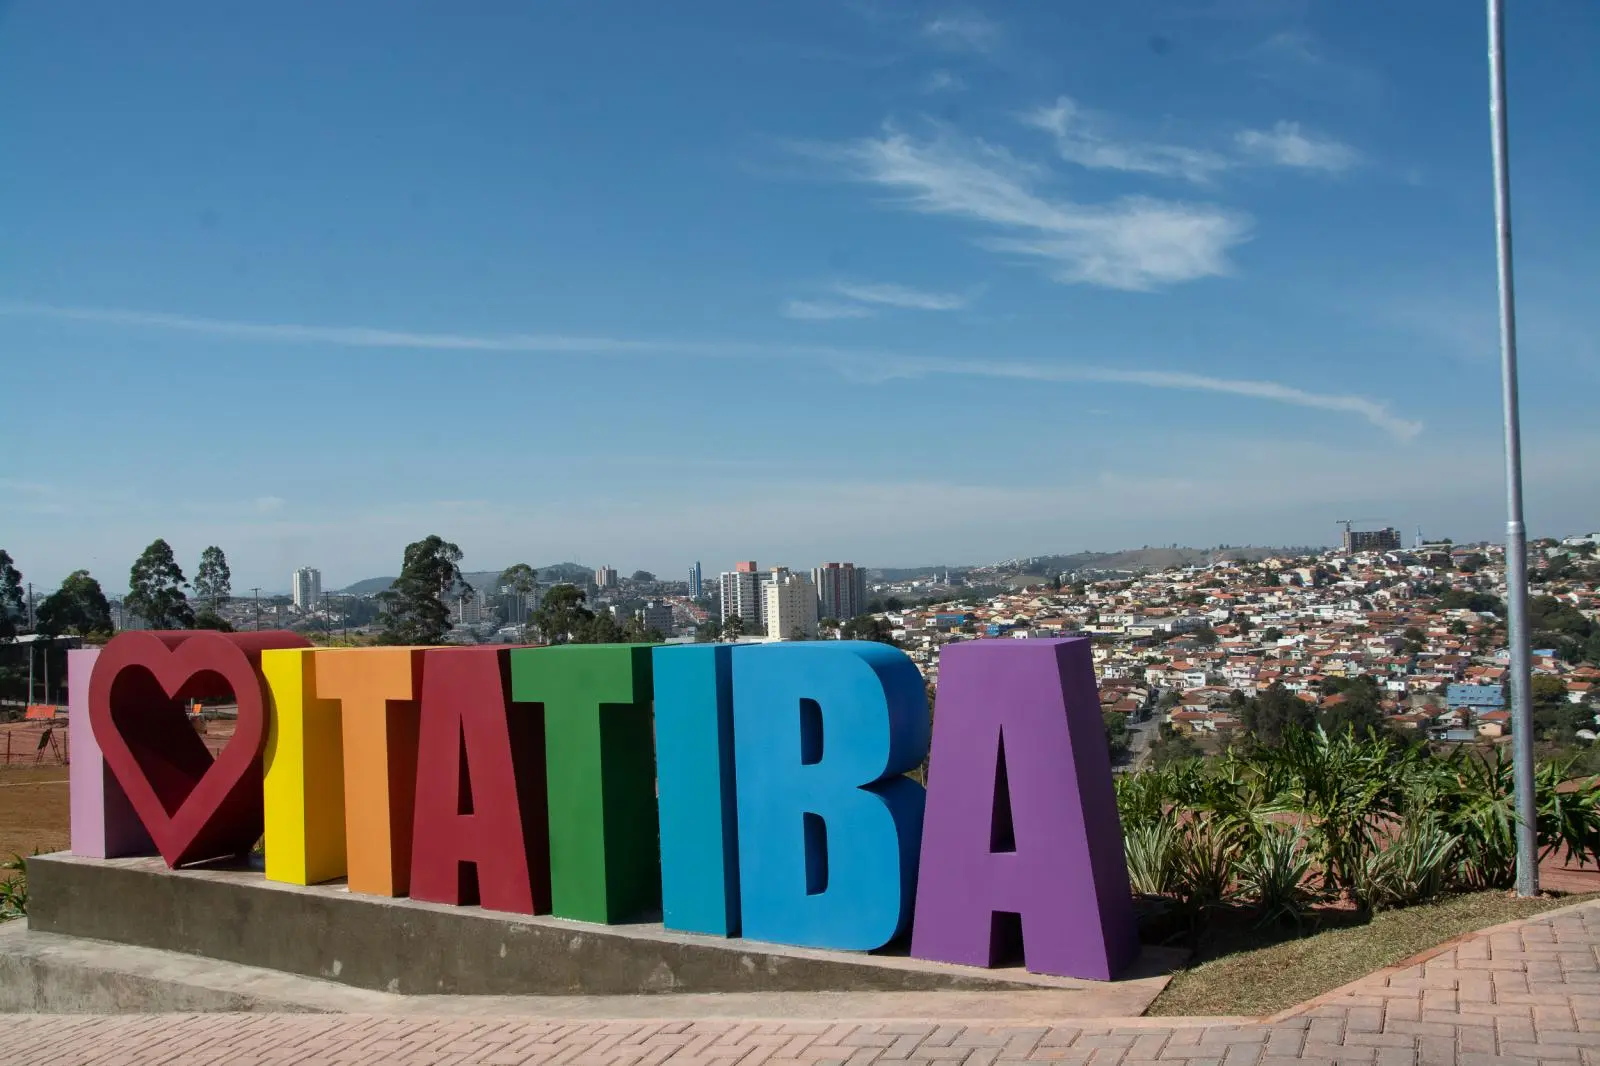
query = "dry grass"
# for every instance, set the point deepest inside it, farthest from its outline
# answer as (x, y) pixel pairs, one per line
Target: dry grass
(34, 810)
(1244, 972)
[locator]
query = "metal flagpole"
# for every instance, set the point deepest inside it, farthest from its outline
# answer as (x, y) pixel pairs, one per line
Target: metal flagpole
(1516, 533)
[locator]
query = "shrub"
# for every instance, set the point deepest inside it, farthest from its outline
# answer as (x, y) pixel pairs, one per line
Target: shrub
(14, 889)
(1272, 875)
(1207, 858)
(1412, 867)
(1153, 853)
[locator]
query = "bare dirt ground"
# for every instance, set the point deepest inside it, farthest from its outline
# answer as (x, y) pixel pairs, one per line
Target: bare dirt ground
(33, 809)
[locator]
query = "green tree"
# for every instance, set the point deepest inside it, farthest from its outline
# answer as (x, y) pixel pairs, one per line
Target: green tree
(1271, 635)
(12, 609)
(414, 607)
(642, 576)
(213, 587)
(601, 629)
(79, 606)
(1358, 710)
(707, 632)
(1205, 635)
(213, 582)
(1118, 739)
(156, 589)
(1172, 747)
(1275, 712)
(867, 627)
(733, 627)
(634, 631)
(828, 627)
(521, 579)
(562, 617)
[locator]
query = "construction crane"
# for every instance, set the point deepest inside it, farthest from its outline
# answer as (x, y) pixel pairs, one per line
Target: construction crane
(1348, 522)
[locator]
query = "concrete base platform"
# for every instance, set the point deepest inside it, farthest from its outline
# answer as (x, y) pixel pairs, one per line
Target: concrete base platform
(46, 973)
(410, 950)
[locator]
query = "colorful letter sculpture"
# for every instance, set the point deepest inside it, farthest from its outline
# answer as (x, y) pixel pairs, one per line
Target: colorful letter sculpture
(828, 826)
(104, 824)
(481, 833)
(192, 806)
(601, 774)
(695, 775)
(378, 691)
(1021, 817)
(745, 790)
(304, 764)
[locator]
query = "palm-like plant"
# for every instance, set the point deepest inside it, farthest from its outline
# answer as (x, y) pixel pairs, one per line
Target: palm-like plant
(1273, 874)
(1413, 866)
(1345, 788)
(1153, 852)
(1206, 862)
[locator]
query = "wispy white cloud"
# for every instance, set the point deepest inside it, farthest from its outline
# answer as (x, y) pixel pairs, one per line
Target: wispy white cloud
(343, 336)
(1132, 243)
(966, 30)
(821, 311)
(859, 363)
(1286, 146)
(1080, 139)
(903, 296)
(1374, 411)
(943, 81)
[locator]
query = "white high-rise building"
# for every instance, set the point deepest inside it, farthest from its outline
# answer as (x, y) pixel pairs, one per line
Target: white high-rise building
(306, 587)
(841, 590)
(791, 605)
(741, 596)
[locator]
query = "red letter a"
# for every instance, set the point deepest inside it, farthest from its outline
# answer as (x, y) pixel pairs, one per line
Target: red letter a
(481, 831)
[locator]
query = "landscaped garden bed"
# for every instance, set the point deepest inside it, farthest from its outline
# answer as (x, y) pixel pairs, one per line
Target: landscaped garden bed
(1293, 869)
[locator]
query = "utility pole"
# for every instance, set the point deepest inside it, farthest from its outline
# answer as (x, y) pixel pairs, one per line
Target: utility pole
(257, 592)
(1516, 532)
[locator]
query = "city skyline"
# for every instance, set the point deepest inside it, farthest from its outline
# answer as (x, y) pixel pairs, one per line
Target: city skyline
(1028, 279)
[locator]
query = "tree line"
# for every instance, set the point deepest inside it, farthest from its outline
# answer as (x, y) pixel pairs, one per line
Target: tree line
(158, 593)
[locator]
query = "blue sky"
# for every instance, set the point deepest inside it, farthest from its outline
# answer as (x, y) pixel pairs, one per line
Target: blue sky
(892, 283)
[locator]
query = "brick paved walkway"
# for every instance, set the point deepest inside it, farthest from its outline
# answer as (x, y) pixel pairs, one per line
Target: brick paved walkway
(1519, 994)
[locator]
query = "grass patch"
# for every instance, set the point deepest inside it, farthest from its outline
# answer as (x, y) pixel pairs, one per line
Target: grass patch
(1244, 970)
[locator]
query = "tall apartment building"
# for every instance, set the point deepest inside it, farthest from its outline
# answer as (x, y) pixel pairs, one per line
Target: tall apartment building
(605, 577)
(841, 590)
(791, 601)
(1372, 540)
(741, 595)
(305, 585)
(696, 584)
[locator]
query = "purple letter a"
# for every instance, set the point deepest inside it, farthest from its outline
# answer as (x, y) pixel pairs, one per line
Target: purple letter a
(1021, 817)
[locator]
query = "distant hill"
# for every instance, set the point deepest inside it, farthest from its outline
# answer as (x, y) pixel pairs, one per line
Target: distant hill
(1129, 559)
(910, 573)
(482, 579)
(1153, 558)
(369, 587)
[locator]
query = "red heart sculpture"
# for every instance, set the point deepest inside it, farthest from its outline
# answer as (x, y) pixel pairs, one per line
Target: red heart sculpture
(192, 806)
